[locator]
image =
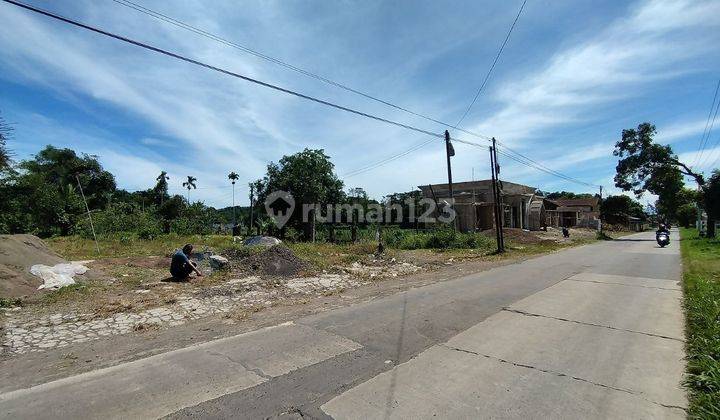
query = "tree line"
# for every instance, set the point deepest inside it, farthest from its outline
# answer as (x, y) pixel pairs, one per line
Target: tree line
(44, 195)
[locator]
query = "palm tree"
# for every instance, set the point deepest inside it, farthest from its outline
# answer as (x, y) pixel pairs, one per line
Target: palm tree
(190, 183)
(232, 176)
(161, 187)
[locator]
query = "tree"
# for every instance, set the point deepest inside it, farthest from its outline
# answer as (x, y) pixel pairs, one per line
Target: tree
(48, 184)
(564, 195)
(255, 188)
(617, 208)
(190, 183)
(687, 214)
(160, 191)
(712, 199)
(5, 133)
(309, 177)
(647, 166)
(233, 177)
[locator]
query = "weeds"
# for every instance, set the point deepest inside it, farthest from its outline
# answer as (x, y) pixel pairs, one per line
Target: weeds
(9, 303)
(701, 281)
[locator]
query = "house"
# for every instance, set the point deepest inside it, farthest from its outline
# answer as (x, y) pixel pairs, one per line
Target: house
(474, 204)
(574, 212)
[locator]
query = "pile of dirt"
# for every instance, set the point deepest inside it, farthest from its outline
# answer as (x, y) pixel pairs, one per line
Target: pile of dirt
(17, 254)
(276, 261)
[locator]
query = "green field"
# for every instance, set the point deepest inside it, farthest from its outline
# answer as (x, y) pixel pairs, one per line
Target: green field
(701, 279)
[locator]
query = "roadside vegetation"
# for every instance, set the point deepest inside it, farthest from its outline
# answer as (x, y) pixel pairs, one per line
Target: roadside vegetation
(701, 279)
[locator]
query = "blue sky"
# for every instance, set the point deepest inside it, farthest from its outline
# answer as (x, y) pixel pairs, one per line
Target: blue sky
(573, 75)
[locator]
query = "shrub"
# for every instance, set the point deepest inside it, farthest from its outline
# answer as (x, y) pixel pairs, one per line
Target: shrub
(120, 219)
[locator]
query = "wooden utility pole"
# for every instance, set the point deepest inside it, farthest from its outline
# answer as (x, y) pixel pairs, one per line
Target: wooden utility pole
(450, 151)
(97, 247)
(497, 195)
(496, 207)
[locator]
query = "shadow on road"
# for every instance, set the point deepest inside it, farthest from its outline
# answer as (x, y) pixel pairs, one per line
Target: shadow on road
(398, 354)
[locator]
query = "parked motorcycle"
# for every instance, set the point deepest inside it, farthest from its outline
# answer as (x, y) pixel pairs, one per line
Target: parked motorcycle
(662, 238)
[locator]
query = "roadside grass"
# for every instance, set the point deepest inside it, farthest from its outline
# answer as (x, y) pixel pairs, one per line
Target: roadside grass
(79, 248)
(701, 283)
(320, 255)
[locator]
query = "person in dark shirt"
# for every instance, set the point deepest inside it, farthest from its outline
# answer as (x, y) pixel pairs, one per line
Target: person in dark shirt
(181, 266)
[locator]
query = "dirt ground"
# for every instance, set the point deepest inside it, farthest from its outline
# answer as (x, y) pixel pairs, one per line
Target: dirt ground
(130, 307)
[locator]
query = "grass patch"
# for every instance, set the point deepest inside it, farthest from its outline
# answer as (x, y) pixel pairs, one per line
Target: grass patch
(72, 292)
(701, 283)
(79, 248)
(9, 302)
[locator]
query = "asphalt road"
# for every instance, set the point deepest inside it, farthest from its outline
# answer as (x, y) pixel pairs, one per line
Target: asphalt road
(590, 332)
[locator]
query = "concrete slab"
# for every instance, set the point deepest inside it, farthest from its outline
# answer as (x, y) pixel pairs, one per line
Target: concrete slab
(446, 383)
(162, 384)
(645, 310)
(645, 365)
(627, 280)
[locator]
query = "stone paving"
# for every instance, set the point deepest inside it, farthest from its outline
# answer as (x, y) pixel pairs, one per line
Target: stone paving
(23, 335)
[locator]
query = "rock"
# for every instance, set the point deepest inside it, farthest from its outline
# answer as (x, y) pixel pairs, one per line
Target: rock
(218, 262)
(266, 241)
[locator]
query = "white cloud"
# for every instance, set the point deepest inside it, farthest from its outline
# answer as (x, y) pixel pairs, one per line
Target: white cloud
(680, 131)
(618, 63)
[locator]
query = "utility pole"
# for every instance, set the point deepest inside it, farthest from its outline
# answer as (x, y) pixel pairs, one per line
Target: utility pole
(233, 207)
(97, 247)
(600, 216)
(496, 199)
(450, 151)
(252, 196)
(497, 193)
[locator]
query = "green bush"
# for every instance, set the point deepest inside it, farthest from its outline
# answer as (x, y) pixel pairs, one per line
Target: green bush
(438, 239)
(120, 219)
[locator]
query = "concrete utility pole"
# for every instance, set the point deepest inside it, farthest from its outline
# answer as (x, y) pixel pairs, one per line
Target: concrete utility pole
(450, 151)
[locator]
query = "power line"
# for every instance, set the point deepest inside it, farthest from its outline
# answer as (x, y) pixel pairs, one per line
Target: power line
(520, 158)
(201, 32)
(246, 78)
(387, 160)
(708, 125)
(544, 169)
(456, 126)
(497, 57)
(218, 69)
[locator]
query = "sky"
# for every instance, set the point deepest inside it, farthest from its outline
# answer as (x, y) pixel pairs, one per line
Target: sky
(572, 76)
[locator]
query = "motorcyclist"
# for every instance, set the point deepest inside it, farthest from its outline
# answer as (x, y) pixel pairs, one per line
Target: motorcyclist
(662, 229)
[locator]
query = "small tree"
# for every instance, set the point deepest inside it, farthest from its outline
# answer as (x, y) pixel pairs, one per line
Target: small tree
(5, 132)
(190, 183)
(712, 199)
(255, 188)
(647, 166)
(161, 188)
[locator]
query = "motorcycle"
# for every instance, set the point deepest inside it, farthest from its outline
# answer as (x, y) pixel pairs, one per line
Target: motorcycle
(662, 238)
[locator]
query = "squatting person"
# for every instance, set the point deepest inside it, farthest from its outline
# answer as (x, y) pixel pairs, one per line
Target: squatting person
(181, 266)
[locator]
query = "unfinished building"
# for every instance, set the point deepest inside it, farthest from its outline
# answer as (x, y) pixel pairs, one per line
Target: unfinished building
(475, 207)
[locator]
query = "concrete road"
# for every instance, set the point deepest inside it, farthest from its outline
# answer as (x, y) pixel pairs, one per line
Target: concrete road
(590, 332)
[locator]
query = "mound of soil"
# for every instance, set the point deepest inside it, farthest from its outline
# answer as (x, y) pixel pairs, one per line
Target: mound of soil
(17, 254)
(276, 261)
